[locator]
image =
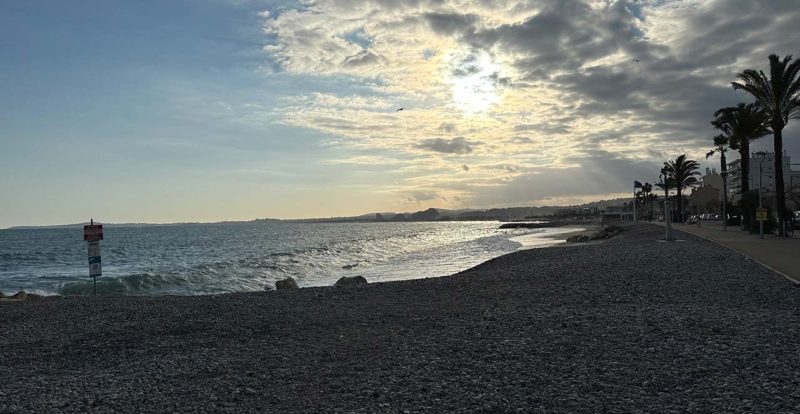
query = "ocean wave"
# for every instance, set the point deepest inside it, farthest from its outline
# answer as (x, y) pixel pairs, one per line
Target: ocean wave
(142, 283)
(184, 260)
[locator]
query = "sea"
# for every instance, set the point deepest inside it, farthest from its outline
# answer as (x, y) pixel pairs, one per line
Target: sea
(196, 259)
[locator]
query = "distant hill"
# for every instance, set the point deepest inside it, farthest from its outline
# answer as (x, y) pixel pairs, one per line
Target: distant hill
(430, 214)
(111, 225)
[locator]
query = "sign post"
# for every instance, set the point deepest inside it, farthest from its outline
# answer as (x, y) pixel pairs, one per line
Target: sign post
(93, 233)
(761, 217)
(668, 219)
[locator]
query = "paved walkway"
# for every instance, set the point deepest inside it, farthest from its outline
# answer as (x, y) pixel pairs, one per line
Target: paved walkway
(781, 255)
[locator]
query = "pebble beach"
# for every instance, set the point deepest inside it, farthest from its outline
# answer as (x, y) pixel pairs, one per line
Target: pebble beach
(630, 324)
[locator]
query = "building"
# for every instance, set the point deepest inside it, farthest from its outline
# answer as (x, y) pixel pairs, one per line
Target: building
(762, 171)
(705, 199)
(713, 179)
(617, 213)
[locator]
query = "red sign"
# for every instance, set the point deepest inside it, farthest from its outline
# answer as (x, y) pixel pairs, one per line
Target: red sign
(93, 232)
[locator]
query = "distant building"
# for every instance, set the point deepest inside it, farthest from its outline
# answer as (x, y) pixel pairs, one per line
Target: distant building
(617, 213)
(713, 179)
(705, 199)
(765, 175)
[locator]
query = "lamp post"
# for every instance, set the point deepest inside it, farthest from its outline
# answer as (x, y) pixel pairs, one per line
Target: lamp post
(724, 200)
(790, 213)
(667, 210)
(760, 181)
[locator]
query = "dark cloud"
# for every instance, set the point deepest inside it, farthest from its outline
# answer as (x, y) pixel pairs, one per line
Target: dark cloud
(545, 128)
(450, 24)
(457, 145)
(564, 35)
(364, 57)
(601, 172)
(673, 90)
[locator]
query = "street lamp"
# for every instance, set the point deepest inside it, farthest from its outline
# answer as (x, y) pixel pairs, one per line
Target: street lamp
(760, 180)
(724, 200)
(667, 212)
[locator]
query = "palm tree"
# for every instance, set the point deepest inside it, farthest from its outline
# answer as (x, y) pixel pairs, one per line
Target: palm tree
(683, 172)
(742, 124)
(721, 146)
(647, 189)
(779, 97)
(665, 183)
(652, 198)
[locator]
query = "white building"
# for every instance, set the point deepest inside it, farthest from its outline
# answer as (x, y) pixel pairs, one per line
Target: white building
(762, 171)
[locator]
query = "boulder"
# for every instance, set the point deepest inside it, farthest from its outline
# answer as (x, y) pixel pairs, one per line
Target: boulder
(21, 295)
(578, 238)
(351, 281)
(287, 283)
(268, 288)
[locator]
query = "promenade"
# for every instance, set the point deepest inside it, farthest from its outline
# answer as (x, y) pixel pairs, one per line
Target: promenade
(781, 255)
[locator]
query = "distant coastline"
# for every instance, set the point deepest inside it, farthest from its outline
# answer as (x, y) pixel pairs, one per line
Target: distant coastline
(430, 214)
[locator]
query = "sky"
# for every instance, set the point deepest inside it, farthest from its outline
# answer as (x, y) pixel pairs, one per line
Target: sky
(207, 110)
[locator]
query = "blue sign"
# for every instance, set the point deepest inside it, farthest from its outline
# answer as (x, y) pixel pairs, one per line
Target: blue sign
(95, 263)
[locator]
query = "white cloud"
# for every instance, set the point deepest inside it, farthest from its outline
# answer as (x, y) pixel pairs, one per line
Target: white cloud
(558, 93)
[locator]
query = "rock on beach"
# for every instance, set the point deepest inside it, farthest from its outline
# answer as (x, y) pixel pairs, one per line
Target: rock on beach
(288, 283)
(351, 281)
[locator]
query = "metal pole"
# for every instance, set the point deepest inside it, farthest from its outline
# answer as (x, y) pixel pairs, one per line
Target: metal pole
(760, 222)
(668, 219)
(697, 209)
(95, 285)
(724, 201)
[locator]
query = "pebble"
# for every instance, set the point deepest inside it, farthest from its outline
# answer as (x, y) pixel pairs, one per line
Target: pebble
(623, 325)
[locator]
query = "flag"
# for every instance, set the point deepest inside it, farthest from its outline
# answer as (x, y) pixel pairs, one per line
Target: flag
(636, 185)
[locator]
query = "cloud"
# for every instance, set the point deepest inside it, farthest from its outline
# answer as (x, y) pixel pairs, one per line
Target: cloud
(448, 127)
(562, 108)
(545, 128)
(457, 145)
(419, 196)
(450, 23)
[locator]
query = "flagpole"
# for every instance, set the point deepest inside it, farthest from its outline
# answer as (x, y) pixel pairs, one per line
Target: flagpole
(634, 204)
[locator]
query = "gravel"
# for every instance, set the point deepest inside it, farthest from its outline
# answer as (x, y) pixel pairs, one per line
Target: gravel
(627, 325)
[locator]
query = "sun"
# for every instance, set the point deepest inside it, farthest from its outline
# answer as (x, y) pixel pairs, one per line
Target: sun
(474, 80)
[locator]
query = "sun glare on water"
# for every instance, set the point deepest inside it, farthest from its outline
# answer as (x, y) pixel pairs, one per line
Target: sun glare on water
(474, 80)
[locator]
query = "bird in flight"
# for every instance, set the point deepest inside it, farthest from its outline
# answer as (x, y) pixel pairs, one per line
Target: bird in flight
(401, 109)
(636, 60)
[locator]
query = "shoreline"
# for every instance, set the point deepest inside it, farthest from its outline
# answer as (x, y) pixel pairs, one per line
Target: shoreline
(535, 330)
(586, 228)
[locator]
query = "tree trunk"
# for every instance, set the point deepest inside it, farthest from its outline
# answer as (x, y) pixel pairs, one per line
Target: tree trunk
(744, 169)
(744, 163)
(780, 190)
(724, 169)
(680, 205)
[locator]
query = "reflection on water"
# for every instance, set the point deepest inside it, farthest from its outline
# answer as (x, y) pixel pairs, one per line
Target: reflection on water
(234, 257)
